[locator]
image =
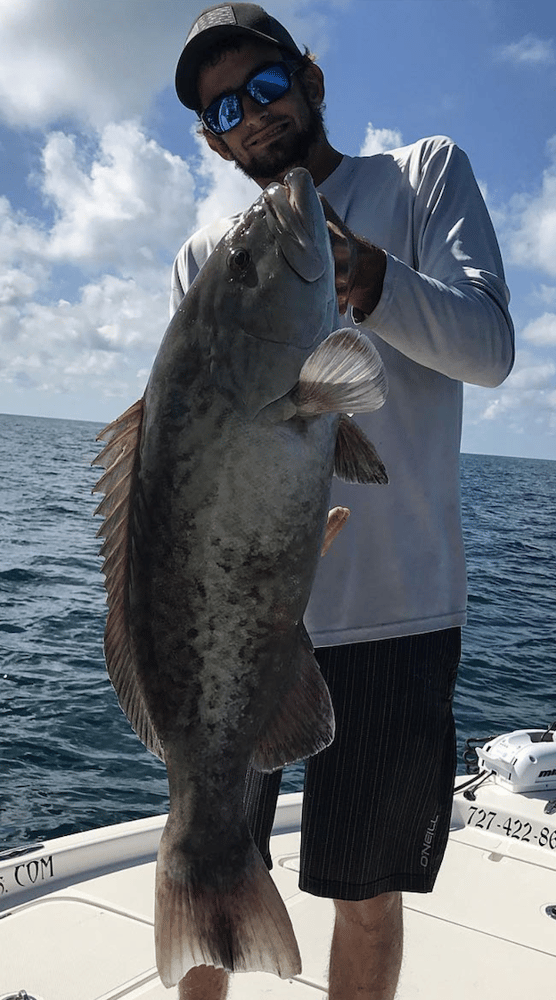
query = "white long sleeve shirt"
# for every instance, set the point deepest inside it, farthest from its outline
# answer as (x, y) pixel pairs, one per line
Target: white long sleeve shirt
(398, 566)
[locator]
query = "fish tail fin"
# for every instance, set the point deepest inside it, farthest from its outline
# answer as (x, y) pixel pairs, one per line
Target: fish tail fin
(233, 920)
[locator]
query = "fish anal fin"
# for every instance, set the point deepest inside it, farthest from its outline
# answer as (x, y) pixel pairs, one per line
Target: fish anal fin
(120, 458)
(355, 458)
(344, 375)
(303, 725)
(206, 914)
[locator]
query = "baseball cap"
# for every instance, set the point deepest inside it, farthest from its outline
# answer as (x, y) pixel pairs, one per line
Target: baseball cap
(221, 21)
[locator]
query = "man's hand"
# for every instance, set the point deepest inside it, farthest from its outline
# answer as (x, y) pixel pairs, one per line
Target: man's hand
(337, 517)
(360, 266)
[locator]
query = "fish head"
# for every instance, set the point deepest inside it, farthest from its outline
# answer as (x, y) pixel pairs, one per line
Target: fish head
(266, 296)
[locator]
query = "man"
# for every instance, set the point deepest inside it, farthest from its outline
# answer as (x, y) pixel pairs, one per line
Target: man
(418, 266)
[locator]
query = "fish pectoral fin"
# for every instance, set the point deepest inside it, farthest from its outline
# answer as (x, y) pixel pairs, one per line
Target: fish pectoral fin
(344, 375)
(279, 410)
(120, 457)
(303, 725)
(208, 914)
(355, 457)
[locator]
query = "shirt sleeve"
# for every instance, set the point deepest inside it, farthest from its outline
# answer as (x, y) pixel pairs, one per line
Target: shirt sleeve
(184, 272)
(191, 257)
(449, 312)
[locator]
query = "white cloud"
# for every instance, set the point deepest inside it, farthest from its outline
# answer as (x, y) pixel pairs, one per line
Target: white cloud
(15, 285)
(125, 208)
(121, 208)
(527, 398)
(530, 220)
(135, 200)
(91, 62)
(529, 374)
(529, 51)
(541, 330)
(379, 140)
(21, 238)
(94, 345)
(547, 294)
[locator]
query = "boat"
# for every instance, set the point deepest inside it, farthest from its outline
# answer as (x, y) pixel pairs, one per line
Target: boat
(76, 913)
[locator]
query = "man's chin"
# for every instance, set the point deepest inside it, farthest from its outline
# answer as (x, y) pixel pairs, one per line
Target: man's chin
(271, 164)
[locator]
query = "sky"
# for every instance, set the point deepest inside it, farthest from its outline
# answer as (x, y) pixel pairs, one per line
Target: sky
(102, 178)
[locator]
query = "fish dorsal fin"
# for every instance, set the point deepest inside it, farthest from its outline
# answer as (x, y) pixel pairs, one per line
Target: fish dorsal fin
(120, 459)
(355, 457)
(344, 375)
(303, 724)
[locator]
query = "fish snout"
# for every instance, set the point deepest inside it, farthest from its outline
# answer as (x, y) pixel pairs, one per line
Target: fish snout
(295, 217)
(303, 198)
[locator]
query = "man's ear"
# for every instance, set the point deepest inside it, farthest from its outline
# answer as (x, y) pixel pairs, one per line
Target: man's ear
(217, 145)
(313, 79)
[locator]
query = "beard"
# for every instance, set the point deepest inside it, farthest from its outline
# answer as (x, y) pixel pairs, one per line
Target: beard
(285, 153)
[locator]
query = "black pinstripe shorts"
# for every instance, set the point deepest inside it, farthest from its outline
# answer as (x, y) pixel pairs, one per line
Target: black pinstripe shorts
(377, 803)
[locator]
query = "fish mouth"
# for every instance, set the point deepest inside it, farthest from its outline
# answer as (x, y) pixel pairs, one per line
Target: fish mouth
(295, 217)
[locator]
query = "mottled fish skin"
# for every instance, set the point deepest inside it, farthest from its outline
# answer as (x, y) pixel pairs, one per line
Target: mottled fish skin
(213, 532)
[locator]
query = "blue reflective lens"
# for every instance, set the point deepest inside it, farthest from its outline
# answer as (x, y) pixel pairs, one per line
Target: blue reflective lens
(270, 84)
(264, 87)
(228, 113)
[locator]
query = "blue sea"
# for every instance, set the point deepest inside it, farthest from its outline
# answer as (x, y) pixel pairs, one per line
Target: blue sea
(68, 758)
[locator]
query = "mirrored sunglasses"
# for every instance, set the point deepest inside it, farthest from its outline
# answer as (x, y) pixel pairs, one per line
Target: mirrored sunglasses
(264, 87)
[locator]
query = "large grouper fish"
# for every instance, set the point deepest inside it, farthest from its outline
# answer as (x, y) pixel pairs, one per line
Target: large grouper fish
(215, 510)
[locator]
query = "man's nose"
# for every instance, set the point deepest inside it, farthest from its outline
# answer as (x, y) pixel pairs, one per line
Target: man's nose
(252, 110)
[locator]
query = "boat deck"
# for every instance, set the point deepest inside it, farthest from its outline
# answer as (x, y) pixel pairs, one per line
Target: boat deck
(488, 929)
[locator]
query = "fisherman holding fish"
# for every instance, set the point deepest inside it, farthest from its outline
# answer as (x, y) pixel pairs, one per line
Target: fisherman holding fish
(418, 270)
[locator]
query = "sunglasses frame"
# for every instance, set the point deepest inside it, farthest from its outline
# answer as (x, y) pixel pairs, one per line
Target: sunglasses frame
(288, 66)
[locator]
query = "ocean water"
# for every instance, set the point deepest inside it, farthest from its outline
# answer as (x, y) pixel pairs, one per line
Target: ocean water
(68, 758)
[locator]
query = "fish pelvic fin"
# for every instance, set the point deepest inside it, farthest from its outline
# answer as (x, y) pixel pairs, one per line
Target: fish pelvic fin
(304, 724)
(120, 458)
(337, 517)
(209, 915)
(344, 375)
(355, 457)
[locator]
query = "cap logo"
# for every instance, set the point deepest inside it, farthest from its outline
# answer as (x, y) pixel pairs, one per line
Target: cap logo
(220, 15)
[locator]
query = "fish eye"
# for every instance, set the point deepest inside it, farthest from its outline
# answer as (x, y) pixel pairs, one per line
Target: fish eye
(239, 260)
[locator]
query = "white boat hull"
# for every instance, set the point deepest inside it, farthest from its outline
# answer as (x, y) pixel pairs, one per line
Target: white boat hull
(77, 913)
